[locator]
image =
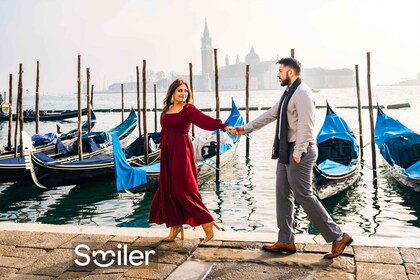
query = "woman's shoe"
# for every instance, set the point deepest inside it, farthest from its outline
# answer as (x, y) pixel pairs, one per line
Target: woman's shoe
(208, 230)
(175, 230)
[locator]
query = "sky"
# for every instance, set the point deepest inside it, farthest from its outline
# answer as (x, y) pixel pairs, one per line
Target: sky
(113, 37)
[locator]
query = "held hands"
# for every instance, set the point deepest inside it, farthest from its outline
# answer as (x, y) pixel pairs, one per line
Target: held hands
(237, 130)
(296, 159)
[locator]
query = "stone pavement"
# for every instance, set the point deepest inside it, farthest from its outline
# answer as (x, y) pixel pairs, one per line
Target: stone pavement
(32, 251)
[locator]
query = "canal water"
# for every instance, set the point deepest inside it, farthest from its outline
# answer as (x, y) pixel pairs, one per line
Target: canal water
(244, 200)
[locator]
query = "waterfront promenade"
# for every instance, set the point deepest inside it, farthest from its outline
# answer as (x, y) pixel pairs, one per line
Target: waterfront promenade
(39, 251)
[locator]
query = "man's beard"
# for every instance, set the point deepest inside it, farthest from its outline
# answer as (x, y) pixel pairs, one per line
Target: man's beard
(285, 82)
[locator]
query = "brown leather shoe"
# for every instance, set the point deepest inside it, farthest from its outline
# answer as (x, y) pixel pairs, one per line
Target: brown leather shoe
(280, 247)
(338, 246)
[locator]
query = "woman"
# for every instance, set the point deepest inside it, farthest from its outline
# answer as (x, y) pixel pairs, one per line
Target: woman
(177, 200)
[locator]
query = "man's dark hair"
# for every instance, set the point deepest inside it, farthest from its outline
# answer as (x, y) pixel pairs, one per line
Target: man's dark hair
(292, 63)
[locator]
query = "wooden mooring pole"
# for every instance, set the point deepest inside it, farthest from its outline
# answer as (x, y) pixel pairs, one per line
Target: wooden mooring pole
(88, 99)
(20, 96)
(122, 102)
(292, 53)
(79, 109)
(9, 131)
(216, 81)
(359, 111)
(192, 95)
(155, 101)
(372, 127)
(91, 97)
(138, 99)
(247, 106)
(37, 99)
(146, 137)
(17, 118)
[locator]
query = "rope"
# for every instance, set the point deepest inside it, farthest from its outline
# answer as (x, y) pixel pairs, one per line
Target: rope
(367, 144)
(214, 167)
(133, 136)
(382, 174)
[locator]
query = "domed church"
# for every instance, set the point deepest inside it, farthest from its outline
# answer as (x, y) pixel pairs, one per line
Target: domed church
(262, 74)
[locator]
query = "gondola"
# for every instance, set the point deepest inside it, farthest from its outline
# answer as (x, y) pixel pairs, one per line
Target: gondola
(49, 174)
(46, 143)
(400, 148)
(29, 115)
(337, 166)
(143, 178)
(94, 143)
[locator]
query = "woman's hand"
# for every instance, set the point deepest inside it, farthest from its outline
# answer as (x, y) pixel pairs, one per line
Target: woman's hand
(237, 130)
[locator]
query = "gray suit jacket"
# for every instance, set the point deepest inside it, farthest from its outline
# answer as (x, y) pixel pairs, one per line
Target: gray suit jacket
(300, 116)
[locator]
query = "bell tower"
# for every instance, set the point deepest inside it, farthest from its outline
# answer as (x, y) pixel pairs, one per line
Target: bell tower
(206, 53)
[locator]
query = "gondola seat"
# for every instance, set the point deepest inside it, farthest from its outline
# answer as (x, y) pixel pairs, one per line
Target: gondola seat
(337, 150)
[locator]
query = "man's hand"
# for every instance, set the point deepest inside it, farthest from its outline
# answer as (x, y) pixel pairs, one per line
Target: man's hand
(297, 159)
(237, 130)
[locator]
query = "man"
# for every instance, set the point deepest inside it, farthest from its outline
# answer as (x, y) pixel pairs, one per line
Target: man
(296, 152)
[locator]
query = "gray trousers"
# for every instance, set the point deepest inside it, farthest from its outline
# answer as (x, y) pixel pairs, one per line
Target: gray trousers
(295, 181)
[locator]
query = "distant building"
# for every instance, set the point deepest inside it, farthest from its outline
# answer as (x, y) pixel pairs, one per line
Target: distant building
(207, 68)
(409, 82)
(262, 74)
(328, 78)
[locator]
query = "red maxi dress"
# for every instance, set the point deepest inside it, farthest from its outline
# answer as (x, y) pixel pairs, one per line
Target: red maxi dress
(177, 200)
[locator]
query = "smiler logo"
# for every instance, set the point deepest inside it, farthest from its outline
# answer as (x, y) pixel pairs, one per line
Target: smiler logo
(121, 256)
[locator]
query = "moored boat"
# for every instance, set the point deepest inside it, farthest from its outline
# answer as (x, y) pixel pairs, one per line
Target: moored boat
(400, 149)
(46, 142)
(29, 115)
(338, 165)
(94, 143)
(48, 173)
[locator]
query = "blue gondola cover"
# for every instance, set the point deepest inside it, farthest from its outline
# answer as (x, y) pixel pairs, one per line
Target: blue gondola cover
(413, 171)
(333, 168)
(335, 127)
(126, 176)
(234, 119)
(42, 139)
(390, 134)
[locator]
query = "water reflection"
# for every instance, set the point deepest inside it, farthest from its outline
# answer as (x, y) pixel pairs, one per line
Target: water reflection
(140, 204)
(20, 201)
(358, 206)
(254, 223)
(406, 197)
(232, 200)
(80, 205)
(12, 194)
(376, 206)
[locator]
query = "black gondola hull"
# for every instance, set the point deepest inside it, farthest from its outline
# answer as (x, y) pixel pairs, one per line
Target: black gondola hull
(47, 116)
(13, 174)
(57, 175)
(326, 186)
